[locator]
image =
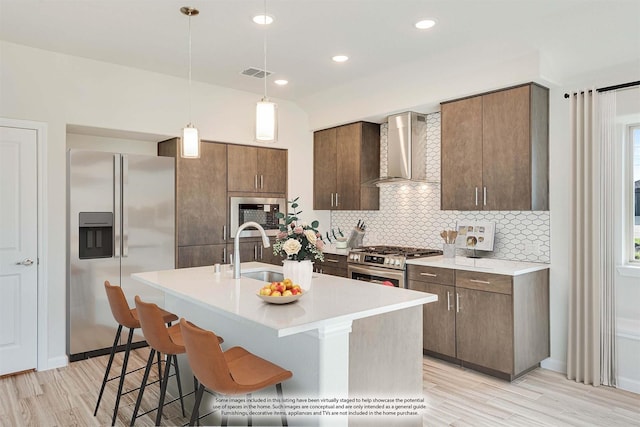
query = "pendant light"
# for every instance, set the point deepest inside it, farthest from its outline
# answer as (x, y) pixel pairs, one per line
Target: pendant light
(266, 111)
(190, 142)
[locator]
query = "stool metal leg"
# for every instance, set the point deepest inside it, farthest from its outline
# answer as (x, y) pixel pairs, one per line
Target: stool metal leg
(159, 370)
(106, 373)
(122, 375)
(247, 398)
(281, 398)
(163, 389)
(175, 365)
(142, 386)
(196, 405)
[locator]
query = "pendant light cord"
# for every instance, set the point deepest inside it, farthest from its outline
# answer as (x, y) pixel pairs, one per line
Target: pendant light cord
(265, 50)
(190, 92)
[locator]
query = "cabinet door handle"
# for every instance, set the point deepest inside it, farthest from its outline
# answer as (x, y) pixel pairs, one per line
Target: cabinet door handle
(261, 257)
(255, 252)
(484, 195)
(448, 301)
(255, 182)
(457, 302)
(224, 254)
(224, 232)
(331, 199)
(484, 282)
(337, 204)
(429, 274)
(331, 260)
(476, 196)
(261, 181)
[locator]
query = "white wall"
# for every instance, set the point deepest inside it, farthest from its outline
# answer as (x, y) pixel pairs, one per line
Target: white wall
(61, 90)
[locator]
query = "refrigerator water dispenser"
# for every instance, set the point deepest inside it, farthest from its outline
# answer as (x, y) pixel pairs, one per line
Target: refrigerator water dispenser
(96, 235)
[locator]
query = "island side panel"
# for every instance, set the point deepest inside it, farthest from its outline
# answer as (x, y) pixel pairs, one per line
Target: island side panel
(385, 361)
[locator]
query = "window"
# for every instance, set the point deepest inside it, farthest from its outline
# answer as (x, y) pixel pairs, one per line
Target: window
(635, 141)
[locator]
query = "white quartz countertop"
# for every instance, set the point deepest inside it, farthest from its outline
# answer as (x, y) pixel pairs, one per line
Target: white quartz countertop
(484, 265)
(330, 301)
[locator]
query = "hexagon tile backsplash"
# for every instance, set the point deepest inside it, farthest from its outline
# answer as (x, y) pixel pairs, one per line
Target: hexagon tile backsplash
(410, 213)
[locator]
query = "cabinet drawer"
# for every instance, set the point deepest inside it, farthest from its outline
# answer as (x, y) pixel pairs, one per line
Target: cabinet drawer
(335, 261)
(422, 273)
(484, 281)
(327, 269)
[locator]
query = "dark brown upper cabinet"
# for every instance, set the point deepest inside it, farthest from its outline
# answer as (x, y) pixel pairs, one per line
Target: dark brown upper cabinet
(256, 169)
(346, 157)
(495, 150)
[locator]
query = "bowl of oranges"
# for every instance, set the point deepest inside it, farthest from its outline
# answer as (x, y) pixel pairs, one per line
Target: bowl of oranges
(280, 292)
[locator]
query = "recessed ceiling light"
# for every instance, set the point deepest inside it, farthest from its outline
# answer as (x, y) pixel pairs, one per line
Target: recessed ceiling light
(425, 24)
(263, 19)
(340, 58)
(281, 82)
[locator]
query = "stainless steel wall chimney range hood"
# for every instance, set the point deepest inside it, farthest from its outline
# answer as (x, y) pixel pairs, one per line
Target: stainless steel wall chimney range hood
(406, 154)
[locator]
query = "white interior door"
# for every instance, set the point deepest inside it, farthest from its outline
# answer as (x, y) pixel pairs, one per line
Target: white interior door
(18, 250)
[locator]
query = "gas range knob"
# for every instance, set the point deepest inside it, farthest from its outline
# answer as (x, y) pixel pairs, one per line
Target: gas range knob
(397, 262)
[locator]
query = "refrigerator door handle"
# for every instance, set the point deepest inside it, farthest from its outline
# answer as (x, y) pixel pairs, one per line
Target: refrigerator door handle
(125, 214)
(117, 205)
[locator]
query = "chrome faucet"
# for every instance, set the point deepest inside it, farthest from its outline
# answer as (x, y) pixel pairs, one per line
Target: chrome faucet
(236, 245)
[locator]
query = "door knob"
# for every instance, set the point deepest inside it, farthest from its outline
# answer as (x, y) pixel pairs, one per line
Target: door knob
(25, 261)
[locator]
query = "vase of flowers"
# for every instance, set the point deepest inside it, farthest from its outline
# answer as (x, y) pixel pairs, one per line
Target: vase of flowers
(300, 244)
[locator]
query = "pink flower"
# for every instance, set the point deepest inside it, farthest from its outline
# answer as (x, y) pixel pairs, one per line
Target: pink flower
(281, 235)
(319, 244)
(298, 230)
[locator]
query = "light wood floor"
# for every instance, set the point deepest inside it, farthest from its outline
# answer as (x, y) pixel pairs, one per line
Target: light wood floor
(454, 396)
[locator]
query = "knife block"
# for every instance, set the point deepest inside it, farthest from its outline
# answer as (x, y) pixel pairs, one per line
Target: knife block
(355, 239)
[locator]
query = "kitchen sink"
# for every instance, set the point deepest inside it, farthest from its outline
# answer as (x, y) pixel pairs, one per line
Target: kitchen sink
(264, 275)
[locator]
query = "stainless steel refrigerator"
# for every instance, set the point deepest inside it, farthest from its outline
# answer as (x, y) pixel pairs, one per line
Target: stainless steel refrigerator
(120, 220)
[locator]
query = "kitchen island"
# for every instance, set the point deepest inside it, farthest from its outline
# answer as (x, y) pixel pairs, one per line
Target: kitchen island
(345, 341)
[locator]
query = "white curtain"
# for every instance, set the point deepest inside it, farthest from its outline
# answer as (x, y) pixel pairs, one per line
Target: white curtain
(606, 105)
(591, 347)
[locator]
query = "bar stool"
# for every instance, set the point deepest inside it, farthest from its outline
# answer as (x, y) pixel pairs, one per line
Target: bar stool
(125, 317)
(161, 339)
(231, 372)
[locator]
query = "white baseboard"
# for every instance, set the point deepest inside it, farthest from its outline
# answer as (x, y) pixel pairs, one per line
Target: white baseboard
(554, 365)
(56, 362)
(629, 384)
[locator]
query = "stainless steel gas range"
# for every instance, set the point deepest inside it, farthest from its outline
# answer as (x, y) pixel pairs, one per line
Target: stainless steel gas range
(384, 265)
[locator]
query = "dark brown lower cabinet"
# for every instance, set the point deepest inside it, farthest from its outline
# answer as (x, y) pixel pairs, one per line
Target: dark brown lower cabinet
(484, 329)
(333, 264)
(438, 319)
(493, 323)
(198, 256)
(253, 250)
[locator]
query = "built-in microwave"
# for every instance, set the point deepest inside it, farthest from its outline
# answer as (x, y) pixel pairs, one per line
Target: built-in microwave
(262, 210)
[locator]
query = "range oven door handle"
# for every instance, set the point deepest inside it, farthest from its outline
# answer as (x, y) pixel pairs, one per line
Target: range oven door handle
(382, 273)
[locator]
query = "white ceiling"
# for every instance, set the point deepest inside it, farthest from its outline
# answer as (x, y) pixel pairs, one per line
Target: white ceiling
(569, 36)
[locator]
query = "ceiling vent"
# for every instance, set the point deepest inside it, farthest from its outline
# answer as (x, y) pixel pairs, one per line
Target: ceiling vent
(255, 72)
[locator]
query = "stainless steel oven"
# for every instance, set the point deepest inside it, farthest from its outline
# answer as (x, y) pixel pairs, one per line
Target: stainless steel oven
(383, 265)
(262, 210)
(378, 275)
